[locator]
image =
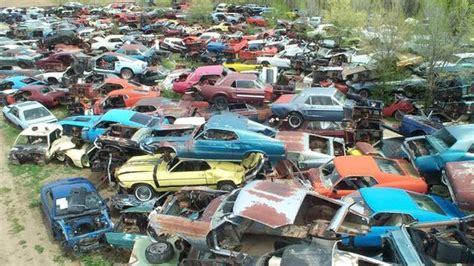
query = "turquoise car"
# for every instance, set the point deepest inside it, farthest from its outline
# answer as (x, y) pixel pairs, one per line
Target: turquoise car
(430, 153)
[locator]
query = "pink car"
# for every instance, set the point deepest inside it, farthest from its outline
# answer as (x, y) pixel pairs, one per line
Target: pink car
(201, 76)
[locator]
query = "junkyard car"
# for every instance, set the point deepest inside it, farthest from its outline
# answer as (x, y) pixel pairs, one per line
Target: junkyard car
(308, 150)
(122, 65)
(403, 208)
(430, 153)
(262, 213)
(35, 144)
(75, 213)
(25, 114)
(458, 176)
(18, 82)
(235, 87)
(413, 125)
(343, 175)
(24, 58)
(90, 127)
(323, 104)
(45, 95)
(145, 175)
(136, 51)
(200, 75)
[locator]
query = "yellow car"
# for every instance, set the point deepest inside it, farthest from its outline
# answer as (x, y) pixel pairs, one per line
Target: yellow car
(224, 26)
(145, 175)
(248, 65)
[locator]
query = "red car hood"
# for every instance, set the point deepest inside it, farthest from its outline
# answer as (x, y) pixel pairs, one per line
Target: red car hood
(286, 98)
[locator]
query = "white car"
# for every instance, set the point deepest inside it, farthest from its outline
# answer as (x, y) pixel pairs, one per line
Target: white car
(28, 113)
(274, 61)
(109, 43)
(167, 83)
(119, 64)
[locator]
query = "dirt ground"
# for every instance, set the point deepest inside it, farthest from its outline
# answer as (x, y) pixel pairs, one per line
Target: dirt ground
(27, 3)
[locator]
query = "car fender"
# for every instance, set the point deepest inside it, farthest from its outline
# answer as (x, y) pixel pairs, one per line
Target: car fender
(76, 155)
(62, 144)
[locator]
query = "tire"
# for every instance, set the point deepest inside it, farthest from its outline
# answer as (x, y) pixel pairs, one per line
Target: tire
(295, 120)
(226, 186)
(143, 192)
(364, 93)
(399, 115)
(39, 160)
(220, 102)
(53, 81)
(126, 73)
(22, 65)
(68, 162)
(103, 49)
(60, 156)
(159, 252)
(265, 63)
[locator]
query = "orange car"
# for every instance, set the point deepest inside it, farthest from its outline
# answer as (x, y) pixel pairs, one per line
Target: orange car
(345, 174)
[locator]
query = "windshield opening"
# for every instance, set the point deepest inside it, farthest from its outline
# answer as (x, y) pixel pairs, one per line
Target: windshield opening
(329, 174)
(426, 203)
(443, 138)
(36, 113)
(32, 140)
(340, 97)
(388, 166)
(79, 201)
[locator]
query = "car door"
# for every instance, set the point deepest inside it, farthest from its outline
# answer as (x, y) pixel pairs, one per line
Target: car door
(248, 91)
(184, 173)
(217, 144)
(324, 108)
(14, 116)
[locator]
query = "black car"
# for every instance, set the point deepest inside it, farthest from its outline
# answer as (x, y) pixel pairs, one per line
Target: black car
(60, 36)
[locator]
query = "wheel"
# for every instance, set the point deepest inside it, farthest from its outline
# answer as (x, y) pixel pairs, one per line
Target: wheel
(159, 252)
(226, 186)
(295, 120)
(103, 49)
(126, 73)
(53, 81)
(68, 162)
(60, 156)
(39, 159)
(143, 192)
(364, 93)
(220, 102)
(265, 63)
(399, 115)
(22, 65)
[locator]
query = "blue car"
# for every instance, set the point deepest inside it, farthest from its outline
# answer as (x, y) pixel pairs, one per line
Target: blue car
(228, 137)
(389, 208)
(75, 213)
(430, 153)
(11, 84)
(314, 104)
(137, 51)
(416, 125)
(90, 127)
(216, 47)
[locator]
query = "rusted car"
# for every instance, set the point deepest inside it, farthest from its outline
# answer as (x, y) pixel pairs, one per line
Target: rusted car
(45, 95)
(235, 87)
(458, 176)
(123, 98)
(250, 222)
(309, 150)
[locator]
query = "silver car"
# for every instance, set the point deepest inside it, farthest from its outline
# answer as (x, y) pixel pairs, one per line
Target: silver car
(28, 113)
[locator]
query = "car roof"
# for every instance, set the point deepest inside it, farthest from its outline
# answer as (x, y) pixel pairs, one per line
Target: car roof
(384, 200)
(356, 166)
(461, 131)
(209, 70)
(118, 115)
(329, 91)
(41, 129)
(28, 105)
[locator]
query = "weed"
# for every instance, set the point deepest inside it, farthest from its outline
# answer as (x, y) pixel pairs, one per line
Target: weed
(4, 190)
(22, 242)
(170, 94)
(95, 260)
(15, 227)
(39, 249)
(58, 259)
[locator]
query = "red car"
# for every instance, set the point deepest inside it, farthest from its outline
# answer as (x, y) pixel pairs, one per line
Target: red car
(57, 61)
(235, 46)
(123, 98)
(253, 54)
(45, 95)
(234, 88)
(257, 21)
(126, 18)
(201, 75)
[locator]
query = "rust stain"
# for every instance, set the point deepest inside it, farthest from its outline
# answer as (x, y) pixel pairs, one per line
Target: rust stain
(264, 195)
(211, 209)
(180, 225)
(280, 189)
(265, 214)
(294, 141)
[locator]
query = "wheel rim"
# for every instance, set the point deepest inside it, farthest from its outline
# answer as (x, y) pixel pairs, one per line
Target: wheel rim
(227, 187)
(158, 248)
(127, 74)
(220, 103)
(143, 193)
(294, 121)
(364, 94)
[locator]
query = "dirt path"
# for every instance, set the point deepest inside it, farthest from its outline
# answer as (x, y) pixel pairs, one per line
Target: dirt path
(23, 238)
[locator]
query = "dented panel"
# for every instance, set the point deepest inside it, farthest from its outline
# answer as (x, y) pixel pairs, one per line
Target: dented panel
(459, 177)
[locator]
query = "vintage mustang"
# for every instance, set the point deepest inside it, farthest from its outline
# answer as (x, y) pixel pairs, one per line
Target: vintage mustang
(200, 75)
(233, 88)
(89, 128)
(346, 174)
(315, 104)
(45, 95)
(75, 213)
(458, 176)
(145, 175)
(390, 208)
(430, 153)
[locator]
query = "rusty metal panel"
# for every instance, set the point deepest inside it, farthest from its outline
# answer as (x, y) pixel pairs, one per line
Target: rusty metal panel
(294, 141)
(460, 176)
(269, 203)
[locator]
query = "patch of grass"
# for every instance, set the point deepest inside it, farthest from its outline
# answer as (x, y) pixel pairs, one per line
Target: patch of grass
(39, 249)
(9, 133)
(60, 112)
(59, 259)
(170, 94)
(4, 190)
(95, 260)
(15, 226)
(22, 242)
